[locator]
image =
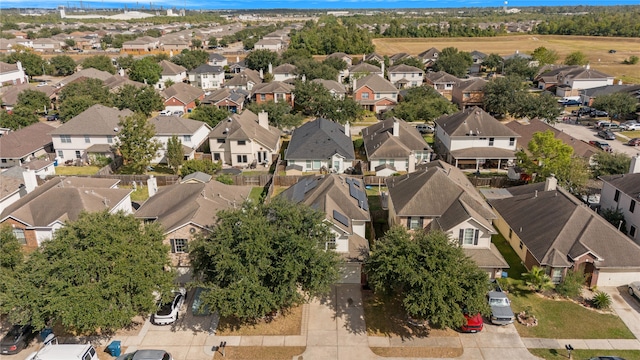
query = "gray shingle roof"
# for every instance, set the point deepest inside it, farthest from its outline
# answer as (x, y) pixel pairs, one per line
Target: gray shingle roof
(627, 183)
(473, 121)
(403, 68)
(96, 120)
(207, 69)
(441, 77)
(381, 143)
(22, 142)
(175, 125)
(376, 83)
(272, 87)
(319, 139)
(365, 68)
(285, 69)
(243, 78)
(245, 126)
(183, 92)
(171, 69)
(331, 85)
(526, 131)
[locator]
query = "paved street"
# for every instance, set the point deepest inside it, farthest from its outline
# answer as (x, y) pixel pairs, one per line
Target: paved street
(587, 134)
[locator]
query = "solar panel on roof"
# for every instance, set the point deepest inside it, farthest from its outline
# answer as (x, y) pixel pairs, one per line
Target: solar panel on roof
(340, 218)
(310, 185)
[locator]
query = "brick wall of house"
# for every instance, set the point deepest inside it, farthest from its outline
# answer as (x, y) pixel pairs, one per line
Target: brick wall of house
(30, 235)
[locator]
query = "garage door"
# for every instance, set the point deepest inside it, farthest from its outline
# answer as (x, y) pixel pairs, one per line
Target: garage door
(615, 278)
(349, 274)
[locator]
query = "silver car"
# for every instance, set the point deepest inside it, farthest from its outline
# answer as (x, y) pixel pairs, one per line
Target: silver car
(634, 289)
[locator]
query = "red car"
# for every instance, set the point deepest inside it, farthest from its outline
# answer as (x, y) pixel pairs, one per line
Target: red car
(474, 323)
(634, 142)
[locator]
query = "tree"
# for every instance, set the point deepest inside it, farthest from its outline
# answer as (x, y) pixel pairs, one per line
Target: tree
(502, 94)
(537, 279)
(174, 154)
(618, 105)
(196, 43)
(135, 142)
(615, 217)
(100, 62)
(260, 60)
(571, 285)
(519, 66)
(632, 60)
(335, 63)
(212, 42)
(576, 58)
(605, 163)
(454, 62)
(145, 70)
(138, 99)
(543, 106)
(194, 165)
(126, 62)
(264, 258)
(411, 61)
(545, 56)
(95, 275)
(10, 249)
(32, 63)
(69, 43)
(20, 117)
(422, 103)
(79, 96)
(312, 98)
(432, 275)
(279, 114)
(33, 99)
(211, 115)
(191, 59)
(63, 65)
(492, 61)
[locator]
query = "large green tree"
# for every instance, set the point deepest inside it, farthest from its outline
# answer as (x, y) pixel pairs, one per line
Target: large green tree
(493, 62)
(63, 65)
(280, 114)
(519, 66)
(95, 275)
(543, 106)
(136, 143)
(618, 105)
(191, 59)
(211, 115)
(80, 95)
(20, 117)
(545, 56)
(264, 258)
(174, 153)
(432, 275)
(32, 63)
(501, 95)
(100, 62)
(201, 165)
(33, 99)
(454, 62)
(422, 103)
(138, 99)
(260, 60)
(576, 58)
(10, 249)
(605, 163)
(145, 70)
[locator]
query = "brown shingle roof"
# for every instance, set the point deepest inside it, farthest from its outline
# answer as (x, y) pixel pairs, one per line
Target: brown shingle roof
(245, 126)
(96, 120)
(381, 143)
(174, 125)
(183, 92)
(376, 83)
(526, 131)
(20, 143)
(473, 121)
(171, 69)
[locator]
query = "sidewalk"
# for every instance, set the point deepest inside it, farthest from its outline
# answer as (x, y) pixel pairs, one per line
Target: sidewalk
(593, 344)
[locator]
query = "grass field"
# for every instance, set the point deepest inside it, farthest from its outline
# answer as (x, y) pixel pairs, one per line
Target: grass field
(595, 47)
(76, 170)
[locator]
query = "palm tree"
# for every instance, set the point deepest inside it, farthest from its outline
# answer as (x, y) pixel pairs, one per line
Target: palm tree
(537, 279)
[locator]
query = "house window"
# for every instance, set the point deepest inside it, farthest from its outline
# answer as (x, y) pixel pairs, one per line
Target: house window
(521, 245)
(616, 196)
(632, 206)
(242, 158)
(78, 155)
(186, 138)
(317, 164)
(510, 233)
(491, 140)
(468, 236)
(632, 231)
(4, 161)
(263, 97)
(220, 141)
(279, 97)
(392, 162)
(216, 156)
(242, 142)
(415, 222)
(308, 165)
(109, 139)
(61, 154)
(512, 141)
(377, 95)
(365, 95)
(179, 246)
(466, 96)
(65, 139)
(87, 139)
(19, 234)
(556, 276)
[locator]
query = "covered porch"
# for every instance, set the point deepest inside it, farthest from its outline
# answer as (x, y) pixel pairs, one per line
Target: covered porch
(481, 158)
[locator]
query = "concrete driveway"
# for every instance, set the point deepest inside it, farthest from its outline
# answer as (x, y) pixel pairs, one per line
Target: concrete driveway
(626, 306)
(587, 133)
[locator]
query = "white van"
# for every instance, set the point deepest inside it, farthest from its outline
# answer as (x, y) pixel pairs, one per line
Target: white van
(65, 352)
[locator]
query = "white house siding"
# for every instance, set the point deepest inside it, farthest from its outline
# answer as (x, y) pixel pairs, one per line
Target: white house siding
(414, 79)
(207, 81)
(175, 78)
(624, 201)
(78, 143)
(197, 138)
(9, 200)
(616, 278)
(458, 143)
(283, 77)
(124, 206)
(589, 84)
(484, 237)
(443, 137)
(43, 235)
(359, 228)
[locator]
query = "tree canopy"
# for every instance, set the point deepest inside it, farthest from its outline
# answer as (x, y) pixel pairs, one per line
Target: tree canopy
(138, 99)
(618, 104)
(328, 36)
(32, 63)
(576, 58)
(201, 165)
(453, 62)
(605, 163)
(260, 60)
(211, 115)
(279, 113)
(145, 70)
(174, 154)
(135, 142)
(502, 94)
(100, 62)
(95, 275)
(63, 65)
(80, 95)
(422, 103)
(263, 258)
(545, 56)
(191, 59)
(314, 99)
(433, 276)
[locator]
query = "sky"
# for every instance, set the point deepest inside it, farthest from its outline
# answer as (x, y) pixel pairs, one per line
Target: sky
(309, 4)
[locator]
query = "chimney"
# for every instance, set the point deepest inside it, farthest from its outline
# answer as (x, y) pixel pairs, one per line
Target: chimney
(263, 119)
(412, 163)
(304, 78)
(30, 181)
(152, 184)
(620, 82)
(396, 128)
(347, 129)
(588, 67)
(270, 68)
(354, 84)
(382, 68)
(237, 59)
(634, 168)
(551, 183)
(261, 74)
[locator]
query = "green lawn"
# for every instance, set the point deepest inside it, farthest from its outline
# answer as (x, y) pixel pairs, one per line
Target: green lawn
(516, 268)
(255, 194)
(76, 170)
(631, 134)
(557, 354)
(141, 193)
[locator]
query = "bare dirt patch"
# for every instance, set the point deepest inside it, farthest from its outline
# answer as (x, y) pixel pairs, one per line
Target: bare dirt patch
(418, 352)
(287, 323)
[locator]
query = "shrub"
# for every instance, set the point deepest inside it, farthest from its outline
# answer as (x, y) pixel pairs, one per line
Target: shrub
(537, 279)
(225, 179)
(205, 166)
(601, 300)
(572, 284)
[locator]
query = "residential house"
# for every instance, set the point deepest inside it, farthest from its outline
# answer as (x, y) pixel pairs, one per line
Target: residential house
(469, 93)
(550, 228)
(621, 193)
(244, 80)
(518, 55)
(472, 138)
(570, 80)
(171, 72)
(363, 69)
(335, 88)
(429, 57)
(442, 82)
(587, 96)
(182, 97)
(343, 200)
(438, 196)
(12, 74)
(230, 99)
(10, 94)
(477, 57)
(238, 66)
(174, 44)
(14, 184)
(25, 145)
(207, 77)
(89, 73)
(373, 57)
(405, 76)
(394, 146)
(36, 216)
(320, 145)
(269, 44)
(343, 74)
(141, 44)
(275, 91)
(399, 56)
(245, 139)
(375, 93)
(187, 209)
(284, 72)
(116, 82)
(46, 45)
(217, 60)
(93, 131)
(191, 133)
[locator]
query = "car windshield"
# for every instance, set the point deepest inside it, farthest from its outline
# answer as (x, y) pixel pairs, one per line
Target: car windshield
(498, 302)
(165, 309)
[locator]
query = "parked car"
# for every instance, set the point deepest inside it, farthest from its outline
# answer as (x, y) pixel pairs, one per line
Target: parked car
(630, 127)
(16, 339)
(634, 142)
(585, 110)
(602, 145)
(571, 103)
(611, 126)
(146, 355)
(634, 289)
(425, 128)
(606, 358)
(501, 313)
(53, 117)
(606, 134)
(598, 113)
(612, 51)
(165, 113)
(168, 313)
(178, 113)
(474, 323)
